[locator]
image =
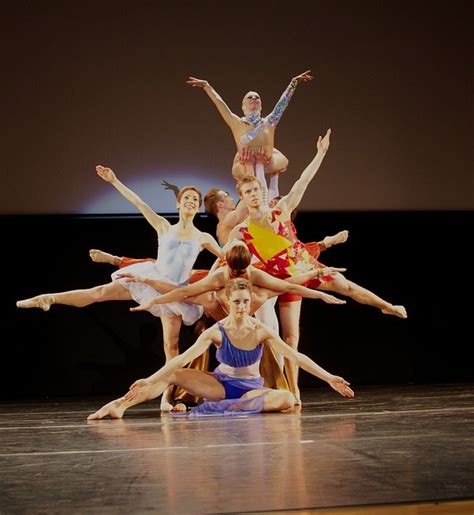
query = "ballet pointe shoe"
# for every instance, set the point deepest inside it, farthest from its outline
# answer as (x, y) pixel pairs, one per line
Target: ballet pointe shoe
(43, 302)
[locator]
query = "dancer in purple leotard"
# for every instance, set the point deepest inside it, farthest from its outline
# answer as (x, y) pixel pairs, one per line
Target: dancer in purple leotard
(235, 386)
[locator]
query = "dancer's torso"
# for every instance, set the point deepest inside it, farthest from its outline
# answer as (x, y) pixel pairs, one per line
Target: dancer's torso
(237, 362)
(176, 256)
(265, 138)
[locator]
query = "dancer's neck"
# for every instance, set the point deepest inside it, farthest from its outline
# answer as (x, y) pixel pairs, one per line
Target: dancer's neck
(185, 222)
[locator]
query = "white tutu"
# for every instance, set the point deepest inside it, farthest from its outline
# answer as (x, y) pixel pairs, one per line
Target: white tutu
(142, 293)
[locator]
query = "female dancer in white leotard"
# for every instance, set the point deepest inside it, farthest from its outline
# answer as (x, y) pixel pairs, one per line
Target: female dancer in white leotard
(179, 246)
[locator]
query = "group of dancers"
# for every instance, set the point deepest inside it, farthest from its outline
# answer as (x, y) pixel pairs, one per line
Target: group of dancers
(259, 260)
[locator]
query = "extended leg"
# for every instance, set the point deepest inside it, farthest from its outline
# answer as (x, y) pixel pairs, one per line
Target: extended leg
(341, 285)
(200, 384)
(77, 298)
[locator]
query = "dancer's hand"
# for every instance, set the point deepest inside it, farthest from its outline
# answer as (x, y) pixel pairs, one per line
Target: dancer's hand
(143, 307)
(197, 83)
(246, 156)
(137, 388)
(169, 186)
(330, 299)
(303, 77)
(328, 271)
(341, 386)
(105, 173)
(131, 278)
(323, 143)
(262, 156)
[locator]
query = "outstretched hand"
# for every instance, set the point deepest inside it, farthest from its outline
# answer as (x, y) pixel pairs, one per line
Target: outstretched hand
(303, 77)
(323, 143)
(169, 186)
(143, 307)
(341, 386)
(137, 388)
(329, 271)
(330, 299)
(105, 173)
(197, 83)
(131, 278)
(246, 156)
(262, 156)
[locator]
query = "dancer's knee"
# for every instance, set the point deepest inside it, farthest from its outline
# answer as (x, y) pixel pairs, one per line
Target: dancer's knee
(340, 284)
(99, 293)
(239, 171)
(279, 163)
(171, 348)
(176, 377)
(278, 400)
(292, 340)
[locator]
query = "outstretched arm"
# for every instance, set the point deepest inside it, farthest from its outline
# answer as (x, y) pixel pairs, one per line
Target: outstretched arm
(158, 222)
(235, 234)
(280, 347)
(235, 217)
(210, 244)
(274, 117)
(314, 274)
(293, 198)
(278, 286)
(157, 284)
(199, 347)
(214, 281)
(230, 118)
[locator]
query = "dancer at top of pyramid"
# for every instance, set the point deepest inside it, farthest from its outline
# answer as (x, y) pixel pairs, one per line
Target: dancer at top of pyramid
(252, 131)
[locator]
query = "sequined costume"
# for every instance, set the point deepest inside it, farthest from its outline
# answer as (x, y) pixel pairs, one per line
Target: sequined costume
(259, 124)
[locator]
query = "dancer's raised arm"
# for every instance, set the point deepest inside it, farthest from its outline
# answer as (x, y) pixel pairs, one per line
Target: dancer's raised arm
(214, 281)
(210, 244)
(274, 117)
(158, 222)
(230, 118)
(293, 198)
(233, 218)
(205, 340)
(280, 347)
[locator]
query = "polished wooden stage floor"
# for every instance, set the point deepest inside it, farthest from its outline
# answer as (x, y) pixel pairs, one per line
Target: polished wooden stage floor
(389, 450)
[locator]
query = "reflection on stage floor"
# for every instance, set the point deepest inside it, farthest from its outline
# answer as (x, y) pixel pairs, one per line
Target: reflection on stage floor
(398, 445)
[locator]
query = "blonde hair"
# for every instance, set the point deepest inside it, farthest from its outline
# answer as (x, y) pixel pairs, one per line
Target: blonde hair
(245, 180)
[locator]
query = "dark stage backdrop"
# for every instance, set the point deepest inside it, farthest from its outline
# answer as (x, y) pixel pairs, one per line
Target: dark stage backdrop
(418, 259)
(104, 83)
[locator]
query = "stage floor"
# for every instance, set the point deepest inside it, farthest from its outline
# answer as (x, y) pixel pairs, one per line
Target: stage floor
(390, 448)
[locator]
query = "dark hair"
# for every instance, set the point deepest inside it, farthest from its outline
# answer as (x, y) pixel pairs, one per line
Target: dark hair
(238, 258)
(183, 190)
(211, 199)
